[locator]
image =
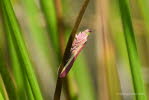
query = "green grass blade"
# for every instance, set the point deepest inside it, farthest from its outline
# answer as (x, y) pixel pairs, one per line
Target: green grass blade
(18, 73)
(7, 79)
(28, 89)
(132, 51)
(39, 48)
(37, 35)
(3, 89)
(1, 86)
(48, 9)
(20, 46)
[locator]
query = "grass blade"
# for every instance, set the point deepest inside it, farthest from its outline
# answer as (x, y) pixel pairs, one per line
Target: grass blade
(67, 50)
(3, 89)
(20, 46)
(132, 51)
(39, 48)
(49, 12)
(19, 73)
(7, 79)
(14, 62)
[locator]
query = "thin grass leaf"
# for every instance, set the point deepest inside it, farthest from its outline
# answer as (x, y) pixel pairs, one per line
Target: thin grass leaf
(1, 86)
(23, 86)
(3, 89)
(29, 90)
(49, 12)
(132, 51)
(40, 48)
(61, 30)
(37, 32)
(18, 73)
(20, 46)
(67, 52)
(7, 79)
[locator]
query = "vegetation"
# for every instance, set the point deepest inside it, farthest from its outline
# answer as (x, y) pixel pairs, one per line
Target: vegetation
(42, 40)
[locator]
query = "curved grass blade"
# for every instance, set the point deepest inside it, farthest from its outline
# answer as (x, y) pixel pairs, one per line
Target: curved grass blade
(20, 46)
(67, 53)
(132, 51)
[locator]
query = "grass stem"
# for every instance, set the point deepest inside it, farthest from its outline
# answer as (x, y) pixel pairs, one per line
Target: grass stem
(67, 50)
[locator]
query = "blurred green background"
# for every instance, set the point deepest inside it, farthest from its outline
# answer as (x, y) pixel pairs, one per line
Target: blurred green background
(113, 66)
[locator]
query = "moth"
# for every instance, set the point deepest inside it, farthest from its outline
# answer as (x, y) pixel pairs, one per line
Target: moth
(77, 46)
